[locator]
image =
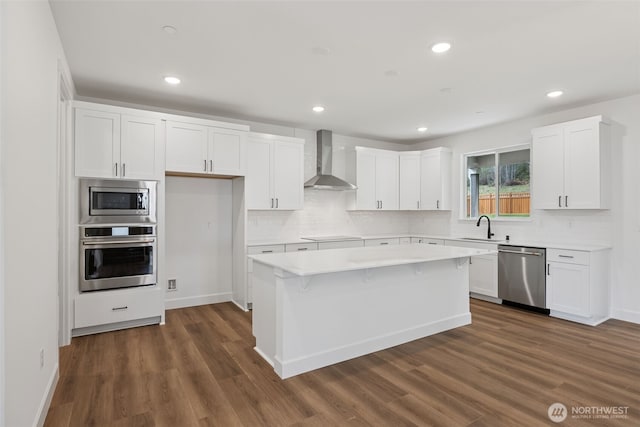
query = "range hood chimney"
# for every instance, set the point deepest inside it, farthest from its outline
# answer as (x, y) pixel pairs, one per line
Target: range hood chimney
(324, 180)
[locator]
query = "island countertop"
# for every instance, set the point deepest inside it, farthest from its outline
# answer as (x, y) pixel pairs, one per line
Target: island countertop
(347, 259)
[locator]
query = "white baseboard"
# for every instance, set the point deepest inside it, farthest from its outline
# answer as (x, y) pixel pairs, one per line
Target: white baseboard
(485, 298)
(626, 315)
(43, 409)
(289, 368)
(170, 304)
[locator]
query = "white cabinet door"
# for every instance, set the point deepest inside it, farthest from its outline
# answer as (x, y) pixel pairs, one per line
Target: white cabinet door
(141, 148)
(366, 181)
(547, 159)
(483, 275)
(435, 179)
(288, 175)
(341, 244)
(186, 148)
(97, 144)
(571, 165)
(409, 181)
(258, 185)
(582, 166)
(387, 180)
(227, 152)
(568, 288)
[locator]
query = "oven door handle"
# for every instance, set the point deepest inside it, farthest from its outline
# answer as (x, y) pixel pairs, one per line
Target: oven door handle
(119, 242)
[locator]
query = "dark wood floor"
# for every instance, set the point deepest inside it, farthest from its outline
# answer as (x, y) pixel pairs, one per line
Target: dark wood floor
(200, 370)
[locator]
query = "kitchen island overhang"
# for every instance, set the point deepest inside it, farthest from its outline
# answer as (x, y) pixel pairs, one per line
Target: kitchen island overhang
(314, 309)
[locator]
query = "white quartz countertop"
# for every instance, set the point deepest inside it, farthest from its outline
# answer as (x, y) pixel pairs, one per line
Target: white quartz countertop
(337, 260)
(588, 247)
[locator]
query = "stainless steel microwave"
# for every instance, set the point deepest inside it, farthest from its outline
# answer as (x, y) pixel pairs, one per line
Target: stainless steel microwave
(104, 201)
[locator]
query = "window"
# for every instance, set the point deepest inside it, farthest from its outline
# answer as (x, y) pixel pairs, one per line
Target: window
(497, 183)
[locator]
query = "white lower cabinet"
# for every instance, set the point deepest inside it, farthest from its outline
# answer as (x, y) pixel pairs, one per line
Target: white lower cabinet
(483, 270)
(110, 307)
(578, 285)
(382, 242)
(258, 250)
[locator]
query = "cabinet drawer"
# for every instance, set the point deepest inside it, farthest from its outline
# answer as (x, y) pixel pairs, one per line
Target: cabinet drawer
(293, 247)
(427, 241)
(568, 257)
(382, 242)
(101, 308)
(341, 244)
(265, 249)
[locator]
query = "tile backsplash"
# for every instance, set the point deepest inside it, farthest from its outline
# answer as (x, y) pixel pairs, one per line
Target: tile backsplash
(324, 213)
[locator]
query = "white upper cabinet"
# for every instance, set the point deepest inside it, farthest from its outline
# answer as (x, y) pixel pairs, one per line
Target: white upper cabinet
(571, 165)
(113, 145)
(201, 149)
(410, 180)
(97, 143)
(435, 179)
(186, 148)
(275, 172)
(141, 146)
(377, 174)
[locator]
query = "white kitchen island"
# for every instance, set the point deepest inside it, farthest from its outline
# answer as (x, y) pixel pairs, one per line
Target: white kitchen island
(314, 309)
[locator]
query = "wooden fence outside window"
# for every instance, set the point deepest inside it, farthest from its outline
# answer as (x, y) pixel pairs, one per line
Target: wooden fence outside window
(510, 204)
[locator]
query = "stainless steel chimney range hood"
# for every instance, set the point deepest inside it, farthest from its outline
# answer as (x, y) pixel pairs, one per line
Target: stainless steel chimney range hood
(324, 179)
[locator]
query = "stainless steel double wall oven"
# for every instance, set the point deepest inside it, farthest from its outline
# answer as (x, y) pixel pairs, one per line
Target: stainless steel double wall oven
(118, 243)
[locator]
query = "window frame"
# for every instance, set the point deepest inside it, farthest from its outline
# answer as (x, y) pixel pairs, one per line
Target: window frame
(463, 184)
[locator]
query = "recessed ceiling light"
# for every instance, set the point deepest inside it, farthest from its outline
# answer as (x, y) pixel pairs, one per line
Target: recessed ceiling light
(555, 94)
(441, 47)
(422, 129)
(318, 108)
(172, 80)
(169, 29)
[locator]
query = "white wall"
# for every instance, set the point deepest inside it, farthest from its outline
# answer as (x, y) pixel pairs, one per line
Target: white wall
(327, 212)
(30, 53)
(619, 226)
(198, 232)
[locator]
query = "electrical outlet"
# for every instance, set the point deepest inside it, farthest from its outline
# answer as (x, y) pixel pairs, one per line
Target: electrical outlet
(41, 358)
(173, 285)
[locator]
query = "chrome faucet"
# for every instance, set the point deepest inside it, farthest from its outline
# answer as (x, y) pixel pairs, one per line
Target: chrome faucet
(489, 233)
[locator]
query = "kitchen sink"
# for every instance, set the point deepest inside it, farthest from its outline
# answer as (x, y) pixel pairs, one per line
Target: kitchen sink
(480, 239)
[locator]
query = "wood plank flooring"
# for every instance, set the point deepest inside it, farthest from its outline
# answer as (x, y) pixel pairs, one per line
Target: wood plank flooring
(200, 369)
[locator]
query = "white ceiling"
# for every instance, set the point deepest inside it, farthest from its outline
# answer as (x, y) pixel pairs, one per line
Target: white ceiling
(255, 60)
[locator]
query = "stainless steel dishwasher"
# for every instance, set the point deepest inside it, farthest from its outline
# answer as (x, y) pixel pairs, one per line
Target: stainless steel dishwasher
(522, 275)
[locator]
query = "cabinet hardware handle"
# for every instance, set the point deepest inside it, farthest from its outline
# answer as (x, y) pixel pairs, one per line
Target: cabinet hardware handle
(559, 201)
(124, 170)
(302, 249)
(277, 203)
(116, 169)
(432, 243)
(384, 243)
(267, 252)
(437, 204)
(418, 204)
(380, 204)
(566, 201)
(210, 165)
(124, 307)
(565, 256)
(470, 261)
(548, 269)
(271, 203)
(205, 165)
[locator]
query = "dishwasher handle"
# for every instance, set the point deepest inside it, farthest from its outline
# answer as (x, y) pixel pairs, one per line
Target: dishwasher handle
(507, 251)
